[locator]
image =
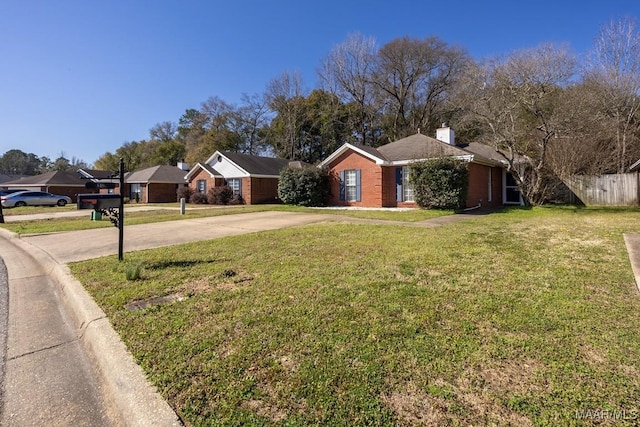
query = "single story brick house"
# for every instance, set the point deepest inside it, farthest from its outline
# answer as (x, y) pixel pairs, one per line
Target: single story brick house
(379, 177)
(255, 178)
(157, 184)
(65, 183)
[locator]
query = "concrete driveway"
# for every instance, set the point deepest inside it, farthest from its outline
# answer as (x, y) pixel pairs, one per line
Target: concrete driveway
(86, 244)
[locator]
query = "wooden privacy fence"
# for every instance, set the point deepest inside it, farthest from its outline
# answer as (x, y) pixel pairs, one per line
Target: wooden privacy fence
(605, 190)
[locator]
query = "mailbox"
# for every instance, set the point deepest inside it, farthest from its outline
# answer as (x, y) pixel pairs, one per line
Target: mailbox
(98, 201)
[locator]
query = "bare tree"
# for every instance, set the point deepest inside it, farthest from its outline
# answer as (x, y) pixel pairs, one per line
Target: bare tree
(516, 99)
(413, 78)
(251, 120)
(614, 74)
(284, 95)
(347, 72)
(163, 131)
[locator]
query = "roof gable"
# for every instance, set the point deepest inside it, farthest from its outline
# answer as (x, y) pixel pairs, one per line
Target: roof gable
(205, 167)
(369, 152)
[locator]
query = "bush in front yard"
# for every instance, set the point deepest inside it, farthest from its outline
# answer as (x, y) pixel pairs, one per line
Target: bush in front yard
(237, 200)
(198, 199)
(185, 193)
(222, 195)
(440, 183)
(304, 187)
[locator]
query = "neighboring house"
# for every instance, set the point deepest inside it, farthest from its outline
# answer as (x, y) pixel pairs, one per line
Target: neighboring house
(157, 184)
(379, 177)
(57, 182)
(255, 178)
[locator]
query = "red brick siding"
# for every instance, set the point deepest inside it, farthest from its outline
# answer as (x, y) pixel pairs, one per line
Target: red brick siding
(68, 191)
(496, 181)
(259, 190)
(202, 174)
(479, 186)
(370, 180)
(162, 192)
(389, 187)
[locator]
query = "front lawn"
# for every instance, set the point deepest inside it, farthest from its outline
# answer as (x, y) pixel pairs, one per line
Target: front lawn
(527, 317)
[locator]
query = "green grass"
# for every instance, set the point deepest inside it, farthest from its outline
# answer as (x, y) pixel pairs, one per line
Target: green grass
(26, 210)
(169, 212)
(518, 318)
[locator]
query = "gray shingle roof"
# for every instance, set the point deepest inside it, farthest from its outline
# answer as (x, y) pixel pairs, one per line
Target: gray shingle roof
(6, 178)
(61, 178)
(257, 165)
(158, 174)
(486, 151)
(209, 169)
(418, 146)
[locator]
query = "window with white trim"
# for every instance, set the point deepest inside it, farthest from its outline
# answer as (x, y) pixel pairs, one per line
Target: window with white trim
(135, 189)
(201, 186)
(236, 185)
(407, 189)
(351, 185)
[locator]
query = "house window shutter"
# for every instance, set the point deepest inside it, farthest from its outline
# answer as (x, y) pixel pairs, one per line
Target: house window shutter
(358, 186)
(399, 184)
(342, 191)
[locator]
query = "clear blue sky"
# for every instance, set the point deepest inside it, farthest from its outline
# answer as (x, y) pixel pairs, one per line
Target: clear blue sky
(82, 77)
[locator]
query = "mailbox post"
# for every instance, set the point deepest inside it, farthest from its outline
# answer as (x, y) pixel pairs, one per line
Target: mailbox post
(121, 212)
(107, 205)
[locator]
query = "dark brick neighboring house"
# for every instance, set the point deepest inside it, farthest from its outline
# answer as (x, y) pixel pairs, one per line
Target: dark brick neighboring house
(255, 178)
(157, 184)
(57, 182)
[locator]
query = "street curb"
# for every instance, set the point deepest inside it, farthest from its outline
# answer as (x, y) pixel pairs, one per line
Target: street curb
(123, 381)
(632, 241)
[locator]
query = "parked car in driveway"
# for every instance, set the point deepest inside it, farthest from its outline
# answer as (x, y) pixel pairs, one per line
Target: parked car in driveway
(33, 198)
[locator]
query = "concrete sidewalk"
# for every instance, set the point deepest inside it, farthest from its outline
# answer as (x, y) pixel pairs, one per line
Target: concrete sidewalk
(65, 363)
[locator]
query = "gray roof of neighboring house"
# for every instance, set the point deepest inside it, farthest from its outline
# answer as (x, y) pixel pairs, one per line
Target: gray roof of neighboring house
(7, 178)
(158, 174)
(60, 178)
(418, 146)
(256, 165)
